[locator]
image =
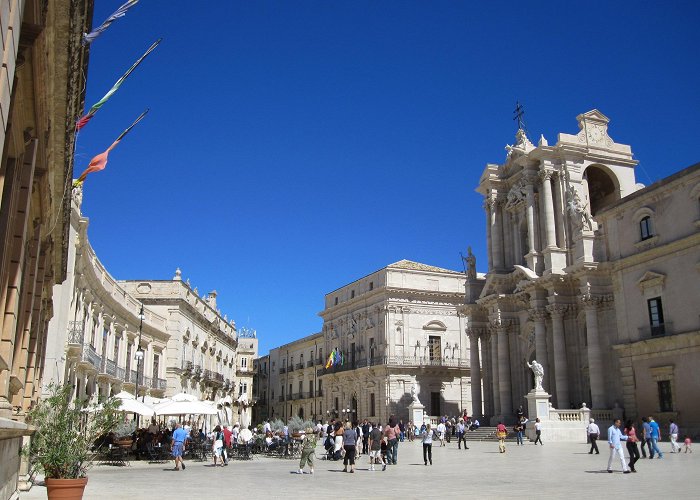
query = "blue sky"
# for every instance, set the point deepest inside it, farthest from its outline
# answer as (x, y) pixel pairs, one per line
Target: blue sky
(295, 146)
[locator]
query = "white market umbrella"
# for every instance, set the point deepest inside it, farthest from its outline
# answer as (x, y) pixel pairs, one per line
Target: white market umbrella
(185, 408)
(124, 395)
(181, 396)
(135, 406)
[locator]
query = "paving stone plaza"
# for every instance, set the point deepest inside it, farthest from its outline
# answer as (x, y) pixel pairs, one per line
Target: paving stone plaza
(555, 470)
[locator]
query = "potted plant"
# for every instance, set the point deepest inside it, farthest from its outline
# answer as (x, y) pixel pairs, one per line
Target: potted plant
(64, 443)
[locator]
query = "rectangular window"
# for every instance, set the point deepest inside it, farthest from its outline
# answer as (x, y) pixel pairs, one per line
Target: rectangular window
(311, 388)
(336, 301)
(665, 396)
(301, 386)
(282, 391)
(645, 228)
(352, 294)
(320, 385)
(434, 350)
(337, 408)
(128, 358)
(290, 390)
(116, 350)
(156, 365)
(372, 405)
(244, 363)
(243, 388)
(371, 287)
(656, 316)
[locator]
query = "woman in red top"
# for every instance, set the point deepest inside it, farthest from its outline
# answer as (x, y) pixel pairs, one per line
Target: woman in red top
(632, 440)
(501, 433)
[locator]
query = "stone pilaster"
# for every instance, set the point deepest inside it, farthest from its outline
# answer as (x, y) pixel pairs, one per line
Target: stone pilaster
(595, 358)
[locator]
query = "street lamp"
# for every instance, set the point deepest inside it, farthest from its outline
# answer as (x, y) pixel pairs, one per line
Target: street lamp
(139, 354)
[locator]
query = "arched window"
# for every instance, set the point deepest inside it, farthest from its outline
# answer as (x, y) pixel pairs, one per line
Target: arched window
(645, 229)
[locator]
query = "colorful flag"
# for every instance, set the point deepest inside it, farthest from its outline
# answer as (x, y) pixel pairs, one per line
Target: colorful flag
(95, 107)
(99, 162)
(88, 38)
(329, 363)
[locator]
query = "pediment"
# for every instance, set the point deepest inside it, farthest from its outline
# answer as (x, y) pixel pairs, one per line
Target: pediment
(593, 116)
(651, 278)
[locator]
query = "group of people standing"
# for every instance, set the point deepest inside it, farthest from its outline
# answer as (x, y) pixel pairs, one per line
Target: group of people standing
(648, 441)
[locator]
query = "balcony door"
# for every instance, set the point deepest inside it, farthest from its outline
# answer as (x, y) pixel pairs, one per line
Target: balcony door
(434, 348)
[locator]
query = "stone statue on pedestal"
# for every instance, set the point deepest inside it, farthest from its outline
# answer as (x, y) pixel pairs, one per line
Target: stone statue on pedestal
(538, 371)
(414, 394)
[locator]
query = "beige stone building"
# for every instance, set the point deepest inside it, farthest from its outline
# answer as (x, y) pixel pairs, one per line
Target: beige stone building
(42, 81)
(589, 274)
(394, 329)
(151, 337)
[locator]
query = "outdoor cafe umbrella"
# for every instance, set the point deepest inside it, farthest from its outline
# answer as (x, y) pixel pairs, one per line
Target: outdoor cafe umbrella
(185, 408)
(129, 404)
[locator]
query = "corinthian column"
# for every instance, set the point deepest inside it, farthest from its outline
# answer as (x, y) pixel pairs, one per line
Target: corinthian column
(504, 386)
(496, 234)
(595, 358)
(475, 370)
(550, 237)
(494, 373)
(561, 370)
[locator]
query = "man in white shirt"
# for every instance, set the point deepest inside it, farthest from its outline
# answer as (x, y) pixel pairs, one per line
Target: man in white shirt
(441, 433)
(266, 427)
(593, 434)
(615, 438)
(673, 434)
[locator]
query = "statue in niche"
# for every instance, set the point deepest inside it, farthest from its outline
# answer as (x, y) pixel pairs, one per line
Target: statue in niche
(538, 371)
(578, 211)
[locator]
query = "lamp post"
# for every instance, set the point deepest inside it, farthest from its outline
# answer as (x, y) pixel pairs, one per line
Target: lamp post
(139, 354)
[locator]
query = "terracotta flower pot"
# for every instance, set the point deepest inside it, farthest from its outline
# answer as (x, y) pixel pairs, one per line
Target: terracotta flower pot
(68, 489)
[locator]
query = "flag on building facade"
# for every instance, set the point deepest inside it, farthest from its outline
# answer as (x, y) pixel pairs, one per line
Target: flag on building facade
(99, 162)
(88, 38)
(96, 107)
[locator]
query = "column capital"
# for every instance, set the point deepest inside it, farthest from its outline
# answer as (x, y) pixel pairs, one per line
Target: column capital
(539, 314)
(557, 310)
(545, 174)
(474, 333)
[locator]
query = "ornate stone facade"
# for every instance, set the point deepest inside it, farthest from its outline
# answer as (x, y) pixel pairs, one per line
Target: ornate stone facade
(393, 329)
(42, 81)
(188, 345)
(563, 234)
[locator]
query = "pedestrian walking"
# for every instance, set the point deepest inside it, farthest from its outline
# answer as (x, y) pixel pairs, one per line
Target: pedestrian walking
(673, 435)
(308, 448)
(178, 446)
(538, 431)
(655, 438)
(632, 449)
(615, 438)
(646, 433)
(365, 436)
(218, 445)
(593, 432)
(643, 443)
(391, 433)
(501, 433)
(520, 430)
(349, 440)
(427, 439)
(441, 428)
(461, 434)
(687, 444)
(375, 448)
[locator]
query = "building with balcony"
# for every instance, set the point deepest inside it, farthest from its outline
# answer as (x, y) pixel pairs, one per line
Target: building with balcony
(395, 328)
(150, 337)
(42, 82)
(293, 385)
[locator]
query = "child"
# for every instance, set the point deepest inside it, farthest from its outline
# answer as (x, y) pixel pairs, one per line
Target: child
(307, 450)
(687, 442)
